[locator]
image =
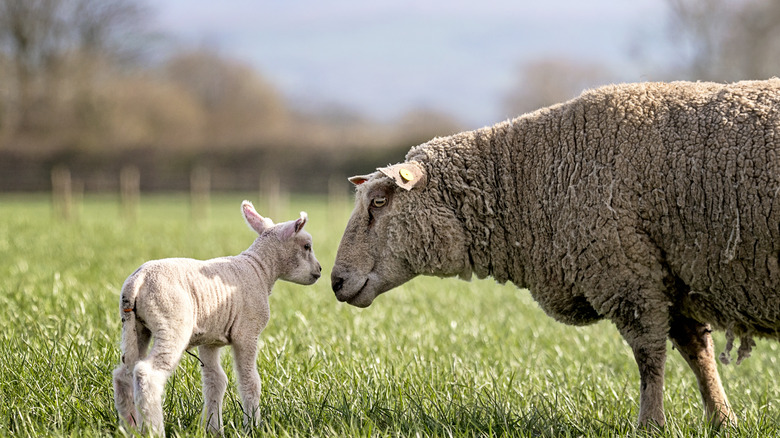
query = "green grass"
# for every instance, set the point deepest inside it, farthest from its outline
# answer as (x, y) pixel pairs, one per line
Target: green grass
(432, 358)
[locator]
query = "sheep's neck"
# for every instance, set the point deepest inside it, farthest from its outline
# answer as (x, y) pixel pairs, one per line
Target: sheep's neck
(265, 267)
(486, 163)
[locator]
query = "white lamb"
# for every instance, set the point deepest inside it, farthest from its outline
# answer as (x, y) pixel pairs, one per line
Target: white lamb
(183, 303)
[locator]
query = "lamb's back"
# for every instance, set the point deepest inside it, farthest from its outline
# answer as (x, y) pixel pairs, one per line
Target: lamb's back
(205, 295)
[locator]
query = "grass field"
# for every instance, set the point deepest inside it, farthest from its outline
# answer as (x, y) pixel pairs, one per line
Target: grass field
(432, 358)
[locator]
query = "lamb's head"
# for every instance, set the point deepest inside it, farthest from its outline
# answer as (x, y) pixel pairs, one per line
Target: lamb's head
(291, 243)
(400, 228)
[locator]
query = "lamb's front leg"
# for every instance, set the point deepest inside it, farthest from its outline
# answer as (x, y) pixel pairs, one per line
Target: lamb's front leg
(214, 385)
(245, 354)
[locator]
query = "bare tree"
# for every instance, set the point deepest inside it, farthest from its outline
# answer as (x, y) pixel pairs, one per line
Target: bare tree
(547, 81)
(29, 33)
(241, 107)
(727, 40)
(54, 47)
(699, 26)
(110, 28)
(751, 49)
(422, 124)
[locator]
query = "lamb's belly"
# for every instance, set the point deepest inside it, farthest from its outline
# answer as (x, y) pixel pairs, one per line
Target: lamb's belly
(208, 338)
(211, 331)
(214, 319)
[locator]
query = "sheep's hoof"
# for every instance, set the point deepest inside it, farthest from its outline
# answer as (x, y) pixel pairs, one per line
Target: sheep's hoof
(650, 427)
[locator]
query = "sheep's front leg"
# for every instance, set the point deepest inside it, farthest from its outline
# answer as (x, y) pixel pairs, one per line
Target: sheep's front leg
(694, 342)
(628, 287)
(214, 386)
(245, 354)
(643, 320)
(651, 359)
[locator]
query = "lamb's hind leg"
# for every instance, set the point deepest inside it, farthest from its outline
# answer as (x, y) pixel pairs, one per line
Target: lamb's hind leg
(694, 342)
(150, 375)
(214, 386)
(123, 395)
(123, 378)
(245, 354)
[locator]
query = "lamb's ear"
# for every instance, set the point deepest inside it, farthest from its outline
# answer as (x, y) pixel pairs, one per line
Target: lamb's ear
(292, 228)
(406, 175)
(253, 218)
(358, 180)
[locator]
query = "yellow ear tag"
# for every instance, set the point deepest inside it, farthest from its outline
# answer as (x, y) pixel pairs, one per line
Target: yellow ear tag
(406, 175)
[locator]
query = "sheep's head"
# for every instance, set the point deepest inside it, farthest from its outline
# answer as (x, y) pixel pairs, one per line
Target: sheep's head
(294, 250)
(399, 229)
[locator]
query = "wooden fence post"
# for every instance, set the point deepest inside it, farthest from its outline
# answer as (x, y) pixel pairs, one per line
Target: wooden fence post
(62, 192)
(200, 188)
(130, 192)
(271, 193)
(337, 196)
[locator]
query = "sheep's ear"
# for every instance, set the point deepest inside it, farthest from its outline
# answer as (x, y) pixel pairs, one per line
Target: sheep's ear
(406, 175)
(256, 222)
(358, 180)
(292, 228)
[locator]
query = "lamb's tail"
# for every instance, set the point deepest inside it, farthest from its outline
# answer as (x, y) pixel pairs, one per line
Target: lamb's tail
(127, 311)
(123, 374)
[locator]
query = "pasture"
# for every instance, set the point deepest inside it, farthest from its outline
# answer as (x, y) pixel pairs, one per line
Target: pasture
(432, 358)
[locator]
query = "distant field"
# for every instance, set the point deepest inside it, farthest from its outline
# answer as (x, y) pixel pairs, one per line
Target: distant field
(432, 358)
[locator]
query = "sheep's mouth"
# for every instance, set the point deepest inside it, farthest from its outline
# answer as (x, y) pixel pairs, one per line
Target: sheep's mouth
(353, 300)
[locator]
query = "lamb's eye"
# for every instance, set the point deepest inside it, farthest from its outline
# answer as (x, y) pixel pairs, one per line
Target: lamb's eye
(379, 202)
(307, 247)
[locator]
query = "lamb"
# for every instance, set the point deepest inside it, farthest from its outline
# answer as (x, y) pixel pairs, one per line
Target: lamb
(654, 205)
(183, 303)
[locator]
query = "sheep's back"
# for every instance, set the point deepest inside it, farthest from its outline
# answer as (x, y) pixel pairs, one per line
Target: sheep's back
(712, 211)
(681, 178)
(689, 173)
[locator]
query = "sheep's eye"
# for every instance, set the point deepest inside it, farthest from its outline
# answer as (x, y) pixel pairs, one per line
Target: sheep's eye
(307, 247)
(379, 202)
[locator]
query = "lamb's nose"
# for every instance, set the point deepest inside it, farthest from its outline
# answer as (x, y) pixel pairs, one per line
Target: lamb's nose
(336, 283)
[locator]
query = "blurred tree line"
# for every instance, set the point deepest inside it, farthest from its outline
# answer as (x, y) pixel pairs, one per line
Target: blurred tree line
(714, 40)
(84, 84)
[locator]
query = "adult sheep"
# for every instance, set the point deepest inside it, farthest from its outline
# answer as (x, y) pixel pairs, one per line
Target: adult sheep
(654, 205)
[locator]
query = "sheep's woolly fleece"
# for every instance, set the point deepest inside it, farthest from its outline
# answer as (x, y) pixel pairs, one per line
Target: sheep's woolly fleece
(670, 185)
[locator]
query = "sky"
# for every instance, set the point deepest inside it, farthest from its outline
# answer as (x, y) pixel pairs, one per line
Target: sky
(383, 58)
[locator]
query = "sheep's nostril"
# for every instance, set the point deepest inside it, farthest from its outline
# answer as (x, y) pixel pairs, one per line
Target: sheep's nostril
(336, 283)
(319, 267)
